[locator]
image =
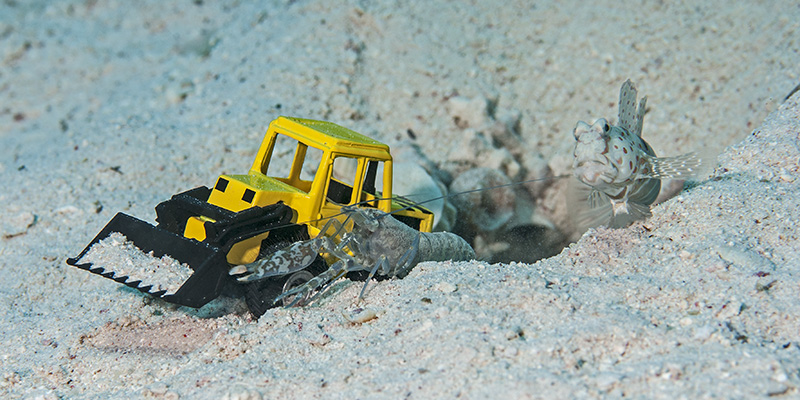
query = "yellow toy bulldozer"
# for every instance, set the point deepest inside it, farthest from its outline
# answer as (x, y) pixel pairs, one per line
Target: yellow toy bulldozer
(246, 217)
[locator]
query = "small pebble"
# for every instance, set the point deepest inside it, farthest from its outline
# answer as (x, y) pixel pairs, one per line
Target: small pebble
(446, 287)
(359, 315)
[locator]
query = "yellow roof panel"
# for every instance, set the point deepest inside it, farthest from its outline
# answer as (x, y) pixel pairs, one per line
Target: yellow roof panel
(333, 137)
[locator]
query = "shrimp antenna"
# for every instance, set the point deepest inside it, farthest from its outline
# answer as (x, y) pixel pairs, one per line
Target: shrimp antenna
(445, 196)
(450, 195)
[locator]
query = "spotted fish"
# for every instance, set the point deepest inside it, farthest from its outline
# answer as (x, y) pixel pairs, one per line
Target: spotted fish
(618, 169)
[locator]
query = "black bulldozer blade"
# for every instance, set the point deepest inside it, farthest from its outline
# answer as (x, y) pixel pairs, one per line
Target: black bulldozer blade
(208, 259)
(208, 262)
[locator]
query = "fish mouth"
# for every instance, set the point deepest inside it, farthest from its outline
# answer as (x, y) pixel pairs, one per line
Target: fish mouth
(592, 173)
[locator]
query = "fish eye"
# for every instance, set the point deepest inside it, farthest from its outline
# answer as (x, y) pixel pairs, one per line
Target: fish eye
(606, 128)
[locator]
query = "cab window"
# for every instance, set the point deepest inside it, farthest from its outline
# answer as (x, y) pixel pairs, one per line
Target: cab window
(294, 162)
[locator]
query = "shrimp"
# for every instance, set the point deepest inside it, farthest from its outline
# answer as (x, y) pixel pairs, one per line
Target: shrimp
(368, 240)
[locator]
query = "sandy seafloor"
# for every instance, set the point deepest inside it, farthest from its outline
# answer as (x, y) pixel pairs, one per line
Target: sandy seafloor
(108, 107)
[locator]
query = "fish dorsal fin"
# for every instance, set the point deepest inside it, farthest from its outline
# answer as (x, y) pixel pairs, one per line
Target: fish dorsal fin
(631, 117)
(627, 105)
(637, 129)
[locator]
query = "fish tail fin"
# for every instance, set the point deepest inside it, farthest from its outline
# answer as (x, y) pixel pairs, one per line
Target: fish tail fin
(685, 166)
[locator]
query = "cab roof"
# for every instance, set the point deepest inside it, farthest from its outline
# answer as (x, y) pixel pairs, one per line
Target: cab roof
(329, 136)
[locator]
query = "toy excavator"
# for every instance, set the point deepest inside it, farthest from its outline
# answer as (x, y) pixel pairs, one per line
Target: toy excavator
(246, 217)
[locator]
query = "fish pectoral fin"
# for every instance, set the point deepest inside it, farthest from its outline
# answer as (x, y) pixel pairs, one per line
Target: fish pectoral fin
(588, 207)
(601, 214)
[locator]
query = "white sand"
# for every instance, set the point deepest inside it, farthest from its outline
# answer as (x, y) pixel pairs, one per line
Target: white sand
(108, 108)
(117, 254)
